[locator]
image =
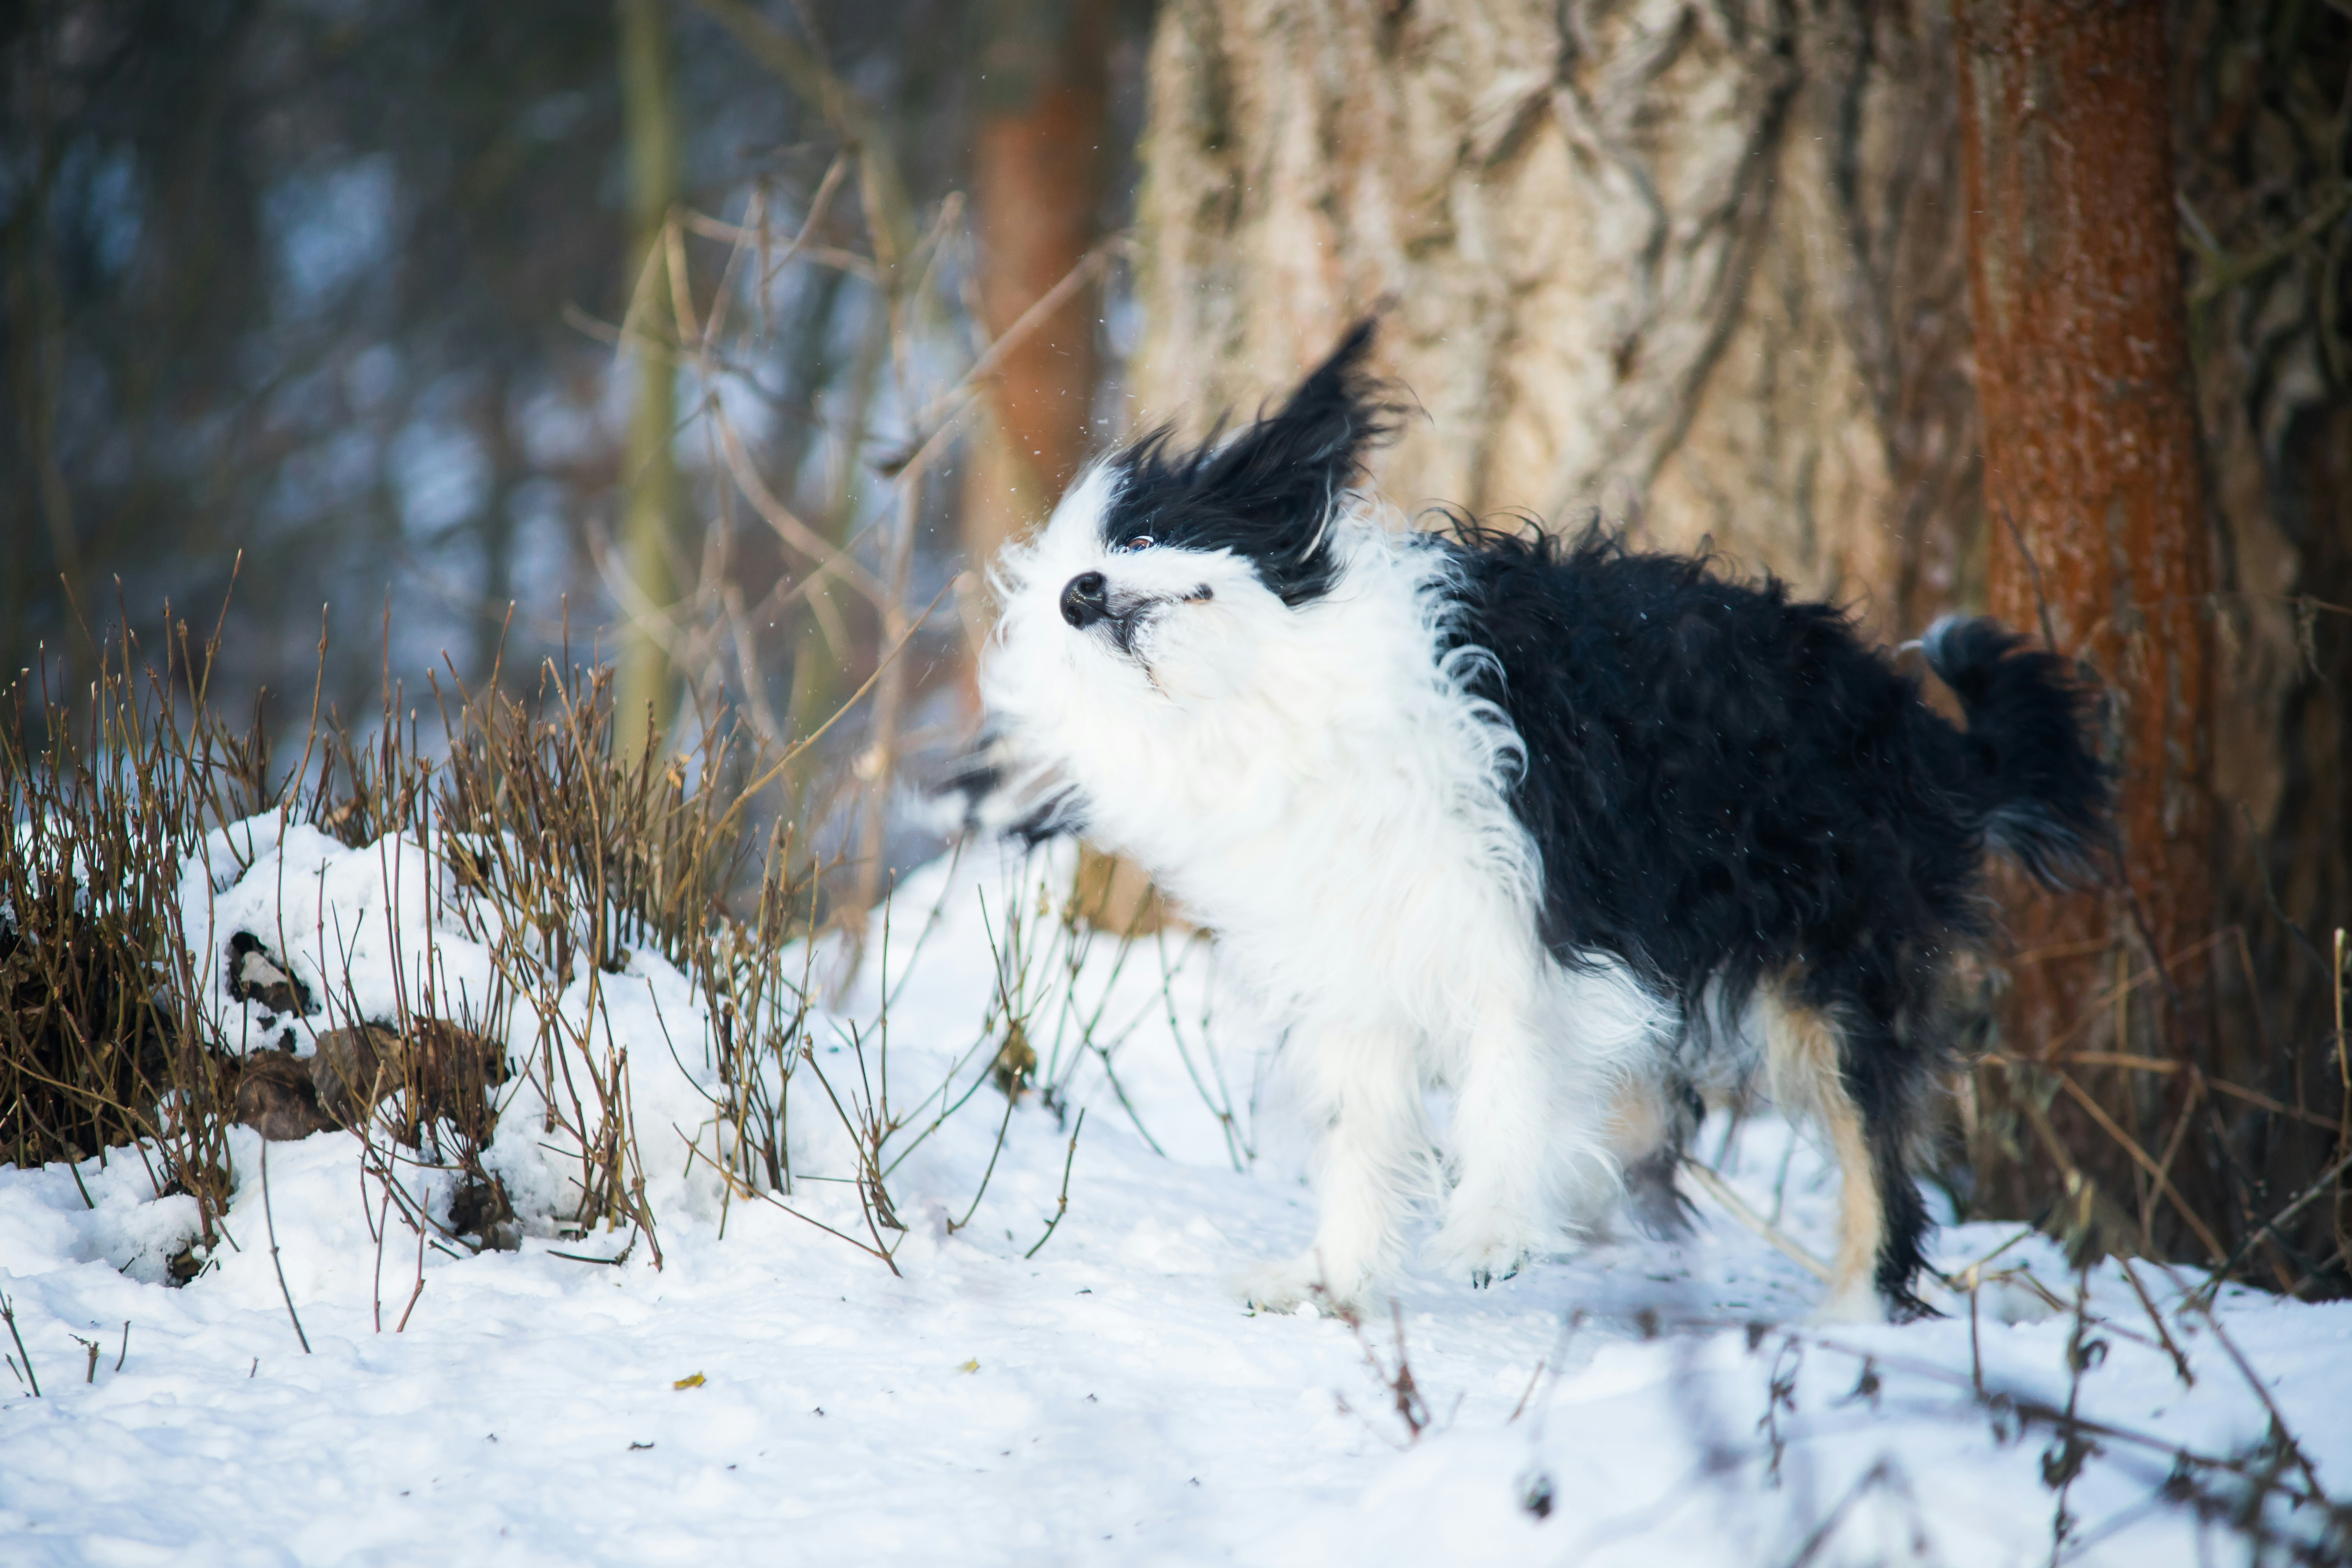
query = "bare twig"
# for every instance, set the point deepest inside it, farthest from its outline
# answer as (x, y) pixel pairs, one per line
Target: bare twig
(2224, 272)
(1404, 1392)
(2284, 1435)
(1720, 1191)
(8, 1313)
(1002, 1128)
(2063, 1461)
(1880, 1475)
(1062, 1204)
(402, 1327)
(2326, 1183)
(271, 1221)
(2179, 1362)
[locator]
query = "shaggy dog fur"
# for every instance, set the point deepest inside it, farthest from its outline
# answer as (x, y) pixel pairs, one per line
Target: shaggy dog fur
(1570, 830)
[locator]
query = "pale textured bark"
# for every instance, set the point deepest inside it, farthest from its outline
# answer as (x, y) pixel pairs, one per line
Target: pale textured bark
(1695, 265)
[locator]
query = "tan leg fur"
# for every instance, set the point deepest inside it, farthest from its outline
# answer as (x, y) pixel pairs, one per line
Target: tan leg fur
(1801, 1055)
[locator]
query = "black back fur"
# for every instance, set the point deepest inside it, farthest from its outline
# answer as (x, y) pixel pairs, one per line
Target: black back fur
(1726, 786)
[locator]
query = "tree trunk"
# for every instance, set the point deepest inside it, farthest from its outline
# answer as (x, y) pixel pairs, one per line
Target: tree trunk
(1698, 266)
(645, 688)
(2099, 539)
(1708, 268)
(1037, 180)
(1037, 184)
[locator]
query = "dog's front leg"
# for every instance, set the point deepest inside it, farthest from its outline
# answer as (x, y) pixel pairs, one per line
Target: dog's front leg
(1370, 1164)
(1506, 1118)
(1538, 1072)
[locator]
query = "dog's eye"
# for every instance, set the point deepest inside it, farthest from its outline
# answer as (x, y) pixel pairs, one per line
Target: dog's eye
(1141, 542)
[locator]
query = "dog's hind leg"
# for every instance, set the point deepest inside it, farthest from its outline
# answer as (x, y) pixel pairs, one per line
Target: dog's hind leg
(1804, 1054)
(1650, 1121)
(1888, 1073)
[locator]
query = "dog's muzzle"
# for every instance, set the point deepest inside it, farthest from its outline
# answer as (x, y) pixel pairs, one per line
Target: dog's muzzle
(1086, 600)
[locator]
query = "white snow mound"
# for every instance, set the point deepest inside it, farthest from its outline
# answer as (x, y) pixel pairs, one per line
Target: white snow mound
(1019, 1381)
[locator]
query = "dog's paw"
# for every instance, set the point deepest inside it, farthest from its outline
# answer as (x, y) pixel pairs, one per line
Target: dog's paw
(1287, 1284)
(1480, 1259)
(1482, 1277)
(1504, 1266)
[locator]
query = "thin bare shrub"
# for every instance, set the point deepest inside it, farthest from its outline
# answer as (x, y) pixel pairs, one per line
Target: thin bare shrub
(727, 845)
(2222, 1145)
(101, 794)
(559, 857)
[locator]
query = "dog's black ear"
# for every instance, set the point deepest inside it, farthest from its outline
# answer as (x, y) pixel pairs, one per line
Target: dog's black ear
(1296, 460)
(1335, 416)
(1265, 492)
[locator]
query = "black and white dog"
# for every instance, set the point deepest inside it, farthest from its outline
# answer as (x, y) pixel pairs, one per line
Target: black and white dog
(1570, 830)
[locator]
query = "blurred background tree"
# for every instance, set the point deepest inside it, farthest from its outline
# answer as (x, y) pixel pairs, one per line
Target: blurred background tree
(307, 283)
(653, 536)
(1039, 177)
(363, 301)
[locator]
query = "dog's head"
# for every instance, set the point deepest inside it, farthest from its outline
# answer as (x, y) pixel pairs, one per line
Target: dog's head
(1167, 573)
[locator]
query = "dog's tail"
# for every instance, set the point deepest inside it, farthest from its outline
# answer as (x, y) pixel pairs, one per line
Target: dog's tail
(2045, 797)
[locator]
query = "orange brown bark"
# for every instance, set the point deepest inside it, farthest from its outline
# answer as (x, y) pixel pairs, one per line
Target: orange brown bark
(1037, 184)
(2095, 508)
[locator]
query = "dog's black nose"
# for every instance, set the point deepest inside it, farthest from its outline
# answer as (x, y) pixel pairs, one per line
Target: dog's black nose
(1085, 601)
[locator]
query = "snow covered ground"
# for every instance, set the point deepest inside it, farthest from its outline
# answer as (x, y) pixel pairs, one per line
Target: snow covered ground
(773, 1395)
